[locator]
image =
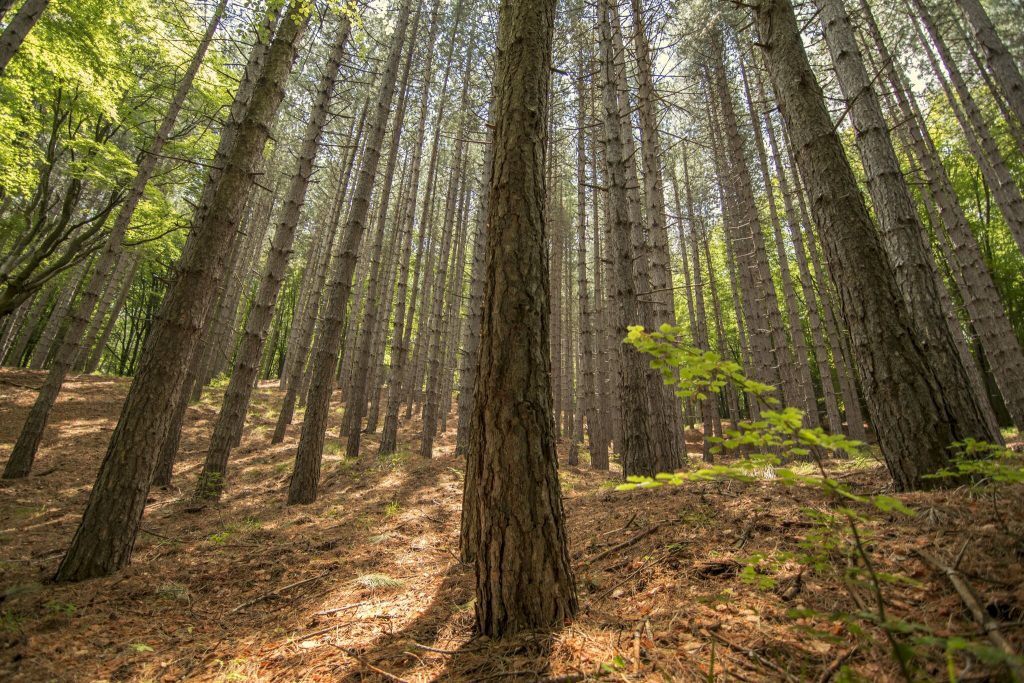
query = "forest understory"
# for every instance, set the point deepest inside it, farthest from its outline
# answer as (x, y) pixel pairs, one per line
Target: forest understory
(365, 584)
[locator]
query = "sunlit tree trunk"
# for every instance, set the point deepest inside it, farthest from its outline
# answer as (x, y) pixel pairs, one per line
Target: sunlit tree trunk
(909, 406)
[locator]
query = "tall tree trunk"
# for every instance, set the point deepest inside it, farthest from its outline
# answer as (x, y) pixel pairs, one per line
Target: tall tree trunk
(104, 540)
(981, 298)
(397, 376)
(641, 454)
(801, 367)
(471, 345)
(523, 574)
(230, 422)
(587, 395)
(998, 58)
(51, 334)
(355, 401)
(976, 131)
(304, 335)
(306, 475)
(910, 408)
(902, 233)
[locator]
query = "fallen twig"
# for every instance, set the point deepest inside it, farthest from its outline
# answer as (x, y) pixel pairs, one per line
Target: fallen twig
(832, 668)
(447, 652)
(970, 600)
(386, 674)
(749, 652)
(260, 598)
(335, 610)
(625, 544)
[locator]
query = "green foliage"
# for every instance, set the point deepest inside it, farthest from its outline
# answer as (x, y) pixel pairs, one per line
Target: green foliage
(839, 537)
(65, 608)
(982, 463)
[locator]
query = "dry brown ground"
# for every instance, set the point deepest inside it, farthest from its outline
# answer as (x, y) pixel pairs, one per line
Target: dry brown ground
(361, 584)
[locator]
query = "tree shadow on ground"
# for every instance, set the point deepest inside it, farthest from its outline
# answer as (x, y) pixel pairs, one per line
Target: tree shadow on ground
(436, 635)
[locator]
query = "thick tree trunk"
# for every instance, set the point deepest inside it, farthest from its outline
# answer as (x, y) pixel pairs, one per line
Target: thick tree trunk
(820, 350)
(523, 574)
(909, 405)
(104, 540)
(306, 475)
(902, 233)
(981, 298)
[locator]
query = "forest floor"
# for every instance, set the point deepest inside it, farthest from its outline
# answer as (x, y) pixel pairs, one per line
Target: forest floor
(366, 584)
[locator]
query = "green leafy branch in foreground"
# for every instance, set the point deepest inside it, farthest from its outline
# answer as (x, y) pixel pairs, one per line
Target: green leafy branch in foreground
(778, 436)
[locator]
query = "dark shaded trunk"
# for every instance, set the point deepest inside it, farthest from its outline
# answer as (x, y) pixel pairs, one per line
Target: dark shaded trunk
(523, 575)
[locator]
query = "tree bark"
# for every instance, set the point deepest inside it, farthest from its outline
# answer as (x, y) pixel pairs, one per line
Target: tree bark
(900, 226)
(909, 405)
(230, 422)
(103, 541)
(21, 23)
(305, 477)
(523, 574)
(998, 58)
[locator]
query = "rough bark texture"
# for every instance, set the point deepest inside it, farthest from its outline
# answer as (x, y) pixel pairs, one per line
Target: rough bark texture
(981, 298)
(104, 539)
(523, 575)
(998, 58)
(900, 225)
(976, 131)
(643, 452)
(912, 418)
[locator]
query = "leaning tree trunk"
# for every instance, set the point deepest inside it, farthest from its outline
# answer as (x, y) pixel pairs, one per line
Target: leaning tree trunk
(909, 406)
(523, 574)
(32, 432)
(981, 298)
(355, 400)
(305, 477)
(104, 539)
(231, 420)
(14, 35)
(403, 317)
(998, 58)
(835, 421)
(801, 365)
(900, 225)
(979, 137)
